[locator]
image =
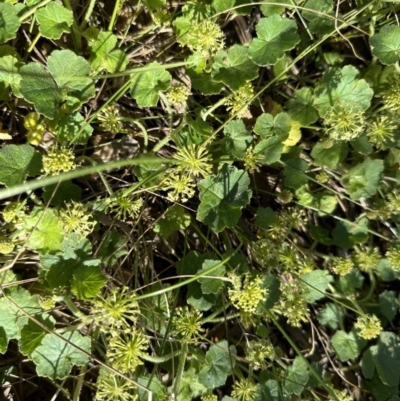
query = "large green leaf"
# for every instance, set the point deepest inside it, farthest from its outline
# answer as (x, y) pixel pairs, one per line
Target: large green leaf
(315, 283)
(218, 365)
(32, 334)
(342, 85)
(347, 345)
(222, 197)
(146, 85)
(55, 357)
(296, 376)
(275, 36)
(211, 285)
(88, 280)
(237, 139)
(268, 125)
(46, 233)
(17, 162)
(174, 219)
(300, 108)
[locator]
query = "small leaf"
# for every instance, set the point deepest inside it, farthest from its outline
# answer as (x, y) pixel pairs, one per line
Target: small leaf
(9, 22)
(331, 315)
(347, 345)
(330, 157)
(386, 44)
(174, 219)
(218, 365)
(237, 139)
(300, 108)
(279, 126)
(211, 285)
(105, 56)
(270, 148)
(17, 162)
(362, 180)
(315, 284)
(352, 280)
(265, 217)
(275, 36)
(234, 67)
(88, 280)
(347, 234)
(58, 194)
(222, 197)
(39, 88)
(46, 233)
(54, 19)
(66, 128)
(9, 70)
(146, 85)
(223, 5)
(389, 304)
(341, 85)
(294, 173)
(55, 357)
(296, 376)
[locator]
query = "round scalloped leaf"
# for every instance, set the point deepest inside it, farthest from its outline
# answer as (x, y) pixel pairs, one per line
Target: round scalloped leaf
(54, 20)
(234, 67)
(342, 85)
(275, 36)
(55, 357)
(386, 44)
(9, 22)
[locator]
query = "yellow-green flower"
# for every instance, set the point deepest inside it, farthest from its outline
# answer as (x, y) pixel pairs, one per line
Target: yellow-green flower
(178, 94)
(244, 390)
(58, 160)
(368, 326)
(187, 324)
(195, 161)
(342, 266)
(111, 387)
(75, 218)
(239, 101)
(247, 295)
(6, 246)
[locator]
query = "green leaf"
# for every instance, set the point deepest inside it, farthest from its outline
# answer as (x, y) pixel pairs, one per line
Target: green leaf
(58, 194)
(271, 149)
(212, 285)
(265, 217)
(55, 357)
(66, 129)
(190, 385)
(330, 157)
(331, 315)
(54, 19)
(9, 70)
(237, 139)
(270, 9)
(275, 36)
(146, 85)
(301, 108)
(347, 345)
(222, 197)
(46, 233)
(154, 5)
(267, 126)
(320, 234)
(352, 280)
(386, 44)
(88, 280)
(294, 173)
(203, 81)
(39, 88)
(17, 162)
(296, 376)
(315, 284)
(386, 356)
(218, 365)
(32, 334)
(174, 219)
(389, 304)
(59, 268)
(362, 180)
(70, 72)
(9, 22)
(347, 234)
(105, 56)
(272, 284)
(341, 85)
(234, 67)
(223, 5)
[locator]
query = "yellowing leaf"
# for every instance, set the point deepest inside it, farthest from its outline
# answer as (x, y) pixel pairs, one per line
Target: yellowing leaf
(294, 136)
